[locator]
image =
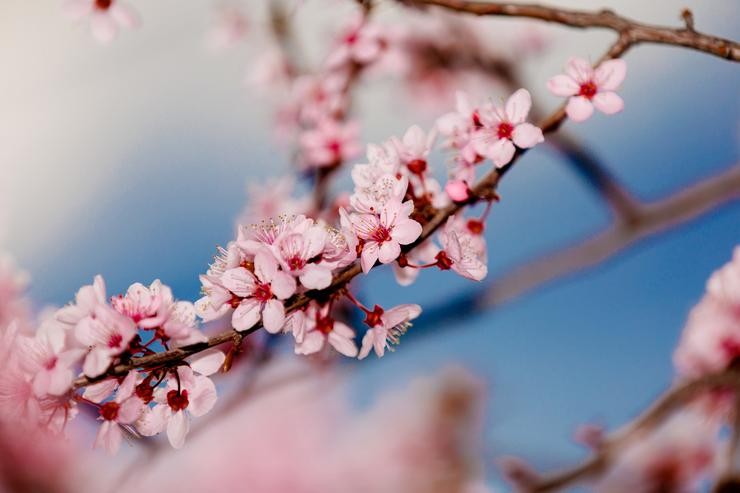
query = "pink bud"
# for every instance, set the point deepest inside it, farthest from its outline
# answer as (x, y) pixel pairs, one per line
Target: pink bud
(458, 190)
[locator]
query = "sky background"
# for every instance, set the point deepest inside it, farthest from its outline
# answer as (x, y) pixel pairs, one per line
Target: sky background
(131, 161)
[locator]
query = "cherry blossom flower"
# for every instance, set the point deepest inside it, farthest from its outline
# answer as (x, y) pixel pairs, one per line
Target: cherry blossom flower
(377, 182)
(461, 251)
(186, 394)
(296, 252)
(360, 42)
(124, 409)
(386, 327)
(503, 128)
(414, 148)
(259, 294)
(425, 253)
(108, 334)
(87, 299)
(106, 16)
(47, 359)
(458, 190)
(314, 328)
(319, 97)
(330, 143)
(587, 87)
(711, 339)
(384, 233)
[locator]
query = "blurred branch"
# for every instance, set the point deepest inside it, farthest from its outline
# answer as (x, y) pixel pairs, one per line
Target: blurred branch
(629, 29)
(673, 400)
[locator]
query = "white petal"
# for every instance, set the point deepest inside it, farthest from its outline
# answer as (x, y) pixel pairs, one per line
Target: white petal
(283, 285)
(246, 315)
(526, 135)
(273, 316)
(208, 362)
(177, 429)
(316, 277)
(518, 105)
(203, 397)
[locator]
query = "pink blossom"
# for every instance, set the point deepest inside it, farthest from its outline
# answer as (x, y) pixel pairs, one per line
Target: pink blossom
(414, 148)
(124, 409)
(386, 327)
(319, 97)
(87, 299)
(587, 87)
(360, 42)
(315, 327)
(464, 253)
(458, 190)
(260, 294)
(106, 16)
(107, 333)
(271, 199)
(503, 128)
(384, 233)
(253, 238)
(377, 181)
(186, 394)
(46, 358)
(330, 143)
(425, 253)
(459, 127)
(296, 253)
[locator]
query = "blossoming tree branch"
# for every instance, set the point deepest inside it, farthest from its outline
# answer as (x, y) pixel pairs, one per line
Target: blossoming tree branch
(140, 360)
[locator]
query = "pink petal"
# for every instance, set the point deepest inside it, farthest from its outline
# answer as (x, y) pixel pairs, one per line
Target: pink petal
(342, 344)
(405, 231)
(579, 109)
(579, 70)
(239, 281)
(265, 265)
(96, 362)
(458, 190)
(526, 135)
(246, 315)
(177, 429)
(202, 397)
(100, 391)
(501, 152)
(108, 437)
(610, 74)
(208, 362)
(103, 27)
(130, 410)
(389, 251)
(312, 343)
(367, 343)
(369, 256)
(608, 102)
(273, 316)
(124, 15)
(562, 85)
(152, 420)
(518, 105)
(316, 277)
(283, 285)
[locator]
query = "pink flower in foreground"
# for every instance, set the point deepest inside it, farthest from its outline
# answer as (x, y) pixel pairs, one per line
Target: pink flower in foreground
(259, 294)
(296, 253)
(414, 148)
(124, 409)
(386, 327)
(587, 87)
(461, 251)
(313, 329)
(107, 333)
(502, 128)
(383, 234)
(186, 395)
(106, 16)
(330, 143)
(46, 358)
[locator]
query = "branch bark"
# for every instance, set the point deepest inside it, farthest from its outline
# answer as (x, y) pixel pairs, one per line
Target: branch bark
(634, 31)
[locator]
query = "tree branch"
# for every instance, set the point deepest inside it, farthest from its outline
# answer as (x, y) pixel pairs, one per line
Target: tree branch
(634, 31)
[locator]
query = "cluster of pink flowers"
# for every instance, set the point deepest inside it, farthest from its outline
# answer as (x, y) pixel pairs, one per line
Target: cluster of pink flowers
(94, 334)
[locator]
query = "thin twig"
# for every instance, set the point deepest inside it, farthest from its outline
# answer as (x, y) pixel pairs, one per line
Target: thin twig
(636, 32)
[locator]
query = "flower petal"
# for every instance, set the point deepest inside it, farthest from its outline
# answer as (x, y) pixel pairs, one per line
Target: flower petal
(608, 102)
(518, 105)
(562, 85)
(316, 277)
(208, 362)
(283, 285)
(579, 109)
(369, 256)
(579, 70)
(246, 315)
(501, 152)
(265, 265)
(177, 429)
(202, 397)
(239, 281)
(389, 251)
(273, 316)
(610, 74)
(342, 344)
(526, 135)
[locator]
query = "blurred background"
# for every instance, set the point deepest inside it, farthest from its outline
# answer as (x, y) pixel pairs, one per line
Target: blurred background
(132, 161)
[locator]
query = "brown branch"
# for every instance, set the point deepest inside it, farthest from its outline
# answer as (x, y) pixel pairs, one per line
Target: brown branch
(673, 400)
(649, 219)
(635, 32)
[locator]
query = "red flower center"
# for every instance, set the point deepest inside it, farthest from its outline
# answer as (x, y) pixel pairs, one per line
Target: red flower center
(296, 263)
(476, 119)
(177, 400)
(103, 4)
(380, 234)
(109, 410)
(443, 261)
(417, 166)
(145, 392)
(373, 318)
(504, 130)
(115, 340)
(475, 226)
(51, 363)
(335, 147)
(588, 90)
(263, 292)
(324, 324)
(351, 38)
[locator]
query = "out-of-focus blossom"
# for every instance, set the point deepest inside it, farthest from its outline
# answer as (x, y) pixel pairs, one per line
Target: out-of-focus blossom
(503, 128)
(229, 28)
(711, 339)
(330, 143)
(272, 199)
(361, 42)
(46, 358)
(586, 87)
(106, 16)
(386, 328)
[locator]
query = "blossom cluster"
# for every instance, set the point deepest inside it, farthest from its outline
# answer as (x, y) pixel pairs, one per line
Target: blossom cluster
(95, 334)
